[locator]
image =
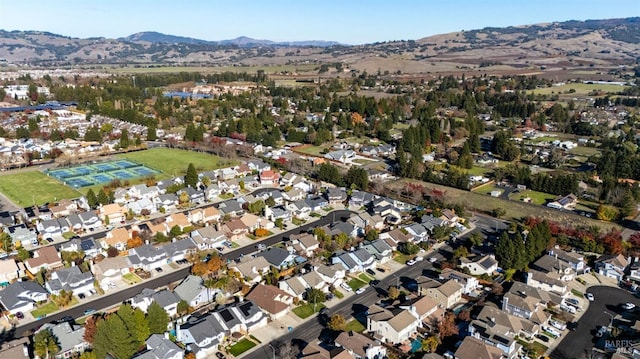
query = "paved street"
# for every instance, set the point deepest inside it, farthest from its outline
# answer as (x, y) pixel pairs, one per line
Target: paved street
(578, 344)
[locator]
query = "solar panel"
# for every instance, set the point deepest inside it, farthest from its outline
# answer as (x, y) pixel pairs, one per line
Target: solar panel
(226, 315)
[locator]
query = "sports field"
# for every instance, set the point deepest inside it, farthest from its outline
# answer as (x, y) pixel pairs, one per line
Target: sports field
(174, 162)
(28, 187)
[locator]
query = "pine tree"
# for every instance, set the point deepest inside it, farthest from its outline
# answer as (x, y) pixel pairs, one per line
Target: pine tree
(191, 178)
(124, 138)
(103, 197)
(157, 318)
(151, 133)
(136, 323)
(112, 337)
(92, 200)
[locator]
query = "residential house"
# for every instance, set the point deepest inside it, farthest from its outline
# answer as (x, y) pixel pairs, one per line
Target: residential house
(366, 220)
(305, 244)
(269, 178)
(168, 201)
(527, 302)
(361, 199)
(573, 259)
(447, 294)
(612, 266)
(288, 179)
(70, 279)
(235, 229)
(147, 257)
(45, 257)
(21, 236)
(500, 329)
(251, 268)
(360, 346)
(63, 208)
(193, 291)
(316, 350)
(379, 249)
(275, 302)
(75, 223)
(87, 245)
(567, 202)
(195, 196)
(228, 173)
(554, 267)
(395, 237)
(355, 261)
(70, 338)
(212, 191)
(541, 280)
(468, 283)
(90, 221)
(336, 195)
(392, 326)
(142, 191)
(253, 222)
(204, 215)
(208, 238)
(294, 286)
(160, 347)
(418, 231)
(333, 274)
(230, 207)
(480, 264)
(10, 271)
(424, 308)
(179, 249)
(449, 217)
(275, 213)
(430, 222)
(294, 195)
(110, 269)
(242, 317)
(278, 257)
(112, 213)
(22, 296)
(53, 228)
(177, 219)
(116, 238)
(201, 335)
(344, 227)
(299, 209)
(166, 299)
(473, 348)
(317, 203)
(258, 166)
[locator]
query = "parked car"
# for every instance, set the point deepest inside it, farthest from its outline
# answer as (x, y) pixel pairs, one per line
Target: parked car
(558, 325)
(374, 282)
(628, 306)
(572, 301)
(601, 332)
(543, 338)
(89, 311)
(324, 311)
(346, 287)
(261, 247)
(360, 290)
(158, 269)
(554, 333)
(67, 318)
(81, 296)
(19, 315)
(572, 326)
(220, 355)
(411, 262)
(370, 271)
(568, 308)
(590, 297)
(419, 259)
(433, 259)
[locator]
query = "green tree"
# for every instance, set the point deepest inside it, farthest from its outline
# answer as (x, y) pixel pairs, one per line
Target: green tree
(183, 307)
(475, 239)
(279, 223)
(92, 200)
(124, 138)
(430, 344)
(337, 323)
(136, 323)
(151, 133)
(270, 201)
(88, 355)
(23, 254)
(315, 296)
(329, 173)
(6, 242)
(372, 235)
(112, 337)
(357, 176)
(157, 318)
(103, 197)
(45, 344)
(191, 178)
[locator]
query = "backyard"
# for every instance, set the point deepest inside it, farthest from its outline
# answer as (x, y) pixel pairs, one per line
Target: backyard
(29, 187)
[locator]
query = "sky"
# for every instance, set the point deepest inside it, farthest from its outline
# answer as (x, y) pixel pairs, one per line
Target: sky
(346, 21)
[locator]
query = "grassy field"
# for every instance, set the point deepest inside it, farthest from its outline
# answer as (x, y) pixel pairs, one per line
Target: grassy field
(240, 347)
(584, 151)
(581, 89)
(306, 310)
(356, 284)
(174, 162)
(210, 69)
(539, 198)
(311, 150)
(355, 326)
(25, 188)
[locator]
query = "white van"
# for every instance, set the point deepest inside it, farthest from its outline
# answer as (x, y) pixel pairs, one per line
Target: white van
(568, 308)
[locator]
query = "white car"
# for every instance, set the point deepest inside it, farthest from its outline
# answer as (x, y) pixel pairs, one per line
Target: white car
(554, 333)
(628, 306)
(433, 259)
(346, 287)
(590, 297)
(418, 259)
(360, 291)
(411, 262)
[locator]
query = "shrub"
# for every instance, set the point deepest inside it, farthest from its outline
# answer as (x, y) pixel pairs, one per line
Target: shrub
(261, 232)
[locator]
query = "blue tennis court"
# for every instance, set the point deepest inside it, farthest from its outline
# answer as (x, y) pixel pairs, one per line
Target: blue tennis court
(98, 173)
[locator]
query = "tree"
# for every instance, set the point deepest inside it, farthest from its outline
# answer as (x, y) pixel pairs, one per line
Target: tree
(124, 138)
(112, 252)
(183, 307)
(88, 355)
(6, 242)
(191, 178)
(430, 344)
(393, 292)
(315, 296)
(134, 242)
(337, 323)
(270, 201)
(92, 200)
(151, 133)
(45, 344)
(157, 318)
(90, 326)
(103, 197)
(447, 326)
(461, 252)
(136, 323)
(112, 337)
(23, 254)
(279, 223)
(499, 212)
(357, 176)
(372, 235)
(475, 239)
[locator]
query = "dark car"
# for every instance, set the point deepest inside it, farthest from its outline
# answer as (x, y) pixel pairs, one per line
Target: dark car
(572, 326)
(19, 315)
(81, 296)
(370, 271)
(67, 318)
(543, 338)
(220, 355)
(324, 311)
(374, 282)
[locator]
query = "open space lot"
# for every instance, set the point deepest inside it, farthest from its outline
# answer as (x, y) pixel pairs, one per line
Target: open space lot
(581, 89)
(29, 187)
(174, 162)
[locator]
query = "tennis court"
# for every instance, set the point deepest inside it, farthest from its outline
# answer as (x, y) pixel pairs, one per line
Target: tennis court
(103, 172)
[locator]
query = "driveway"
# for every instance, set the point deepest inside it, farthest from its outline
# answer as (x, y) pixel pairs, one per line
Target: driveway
(578, 344)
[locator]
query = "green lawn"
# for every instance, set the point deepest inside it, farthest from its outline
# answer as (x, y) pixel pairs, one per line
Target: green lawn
(306, 310)
(44, 309)
(338, 293)
(241, 347)
(539, 198)
(400, 258)
(580, 89)
(131, 278)
(312, 150)
(25, 188)
(584, 151)
(355, 326)
(356, 284)
(174, 162)
(365, 278)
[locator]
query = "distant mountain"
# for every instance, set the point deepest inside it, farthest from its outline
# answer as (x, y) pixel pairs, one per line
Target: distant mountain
(242, 41)
(602, 44)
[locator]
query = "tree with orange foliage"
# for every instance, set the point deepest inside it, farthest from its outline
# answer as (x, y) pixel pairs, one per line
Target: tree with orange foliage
(261, 232)
(447, 326)
(134, 242)
(214, 264)
(356, 118)
(199, 269)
